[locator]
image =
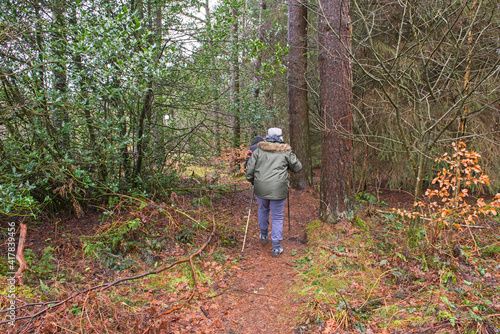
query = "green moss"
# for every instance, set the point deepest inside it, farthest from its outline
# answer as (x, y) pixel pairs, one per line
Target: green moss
(315, 224)
(398, 323)
(417, 321)
(24, 291)
(129, 299)
(388, 311)
(444, 315)
(319, 233)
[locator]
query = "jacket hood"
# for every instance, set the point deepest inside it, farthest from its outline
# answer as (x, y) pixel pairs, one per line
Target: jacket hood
(277, 147)
(257, 139)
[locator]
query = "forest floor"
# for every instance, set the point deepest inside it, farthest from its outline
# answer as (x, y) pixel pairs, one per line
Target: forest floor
(354, 276)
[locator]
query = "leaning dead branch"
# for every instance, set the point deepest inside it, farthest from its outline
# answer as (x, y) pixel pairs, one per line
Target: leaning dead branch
(19, 256)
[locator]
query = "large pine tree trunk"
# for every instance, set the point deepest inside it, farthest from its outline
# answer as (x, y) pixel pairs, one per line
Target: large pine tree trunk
(335, 100)
(297, 91)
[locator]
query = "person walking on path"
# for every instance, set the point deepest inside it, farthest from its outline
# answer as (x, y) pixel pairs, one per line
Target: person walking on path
(252, 148)
(267, 170)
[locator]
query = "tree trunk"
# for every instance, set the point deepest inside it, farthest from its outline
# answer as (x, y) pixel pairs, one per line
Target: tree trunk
(214, 76)
(20, 254)
(61, 117)
(40, 78)
(77, 58)
(235, 81)
(141, 135)
(154, 20)
(265, 24)
(297, 92)
(463, 118)
(258, 61)
(335, 100)
(419, 183)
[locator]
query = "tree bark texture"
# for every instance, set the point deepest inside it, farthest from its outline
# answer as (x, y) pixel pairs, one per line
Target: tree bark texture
(235, 81)
(264, 25)
(297, 91)
(335, 101)
(147, 106)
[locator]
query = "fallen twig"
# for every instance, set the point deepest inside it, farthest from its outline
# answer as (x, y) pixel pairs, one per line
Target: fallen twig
(255, 294)
(433, 326)
(26, 304)
(205, 312)
(374, 285)
(188, 216)
(195, 286)
(216, 295)
(336, 252)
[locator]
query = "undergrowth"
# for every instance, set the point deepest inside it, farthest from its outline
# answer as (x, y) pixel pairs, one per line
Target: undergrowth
(368, 280)
(362, 275)
(144, 238)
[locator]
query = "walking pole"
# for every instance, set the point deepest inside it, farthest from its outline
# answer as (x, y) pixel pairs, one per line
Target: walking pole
(288, 210)
(248, 220)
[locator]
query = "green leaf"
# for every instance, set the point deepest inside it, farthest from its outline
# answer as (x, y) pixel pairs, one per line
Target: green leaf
(43, 286)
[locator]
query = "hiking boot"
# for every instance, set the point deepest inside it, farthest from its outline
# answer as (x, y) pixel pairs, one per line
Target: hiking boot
(277, 251)
(263, 236)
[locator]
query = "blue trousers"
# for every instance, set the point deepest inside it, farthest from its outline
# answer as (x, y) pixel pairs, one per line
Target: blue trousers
(276, 208)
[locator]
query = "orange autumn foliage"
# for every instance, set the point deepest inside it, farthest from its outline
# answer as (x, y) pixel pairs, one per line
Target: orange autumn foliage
(447, 205)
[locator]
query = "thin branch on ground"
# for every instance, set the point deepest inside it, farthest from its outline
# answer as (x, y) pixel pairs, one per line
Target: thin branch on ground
(106, 286)
(195, 282)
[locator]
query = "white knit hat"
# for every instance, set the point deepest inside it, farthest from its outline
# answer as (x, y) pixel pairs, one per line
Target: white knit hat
(274, 132)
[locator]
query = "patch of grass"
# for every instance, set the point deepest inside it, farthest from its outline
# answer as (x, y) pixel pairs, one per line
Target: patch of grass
(44, 267)
(219, 256)
(179, 279)
(492, 249)
(328, 278)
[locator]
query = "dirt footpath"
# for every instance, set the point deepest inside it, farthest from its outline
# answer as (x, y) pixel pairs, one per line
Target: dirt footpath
(254, 296)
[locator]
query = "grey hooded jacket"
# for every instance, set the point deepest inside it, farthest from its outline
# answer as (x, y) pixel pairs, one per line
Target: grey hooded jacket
(268, 169)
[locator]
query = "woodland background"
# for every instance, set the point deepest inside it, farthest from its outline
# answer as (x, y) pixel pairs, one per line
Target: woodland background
(116, 110)
(116, 96)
